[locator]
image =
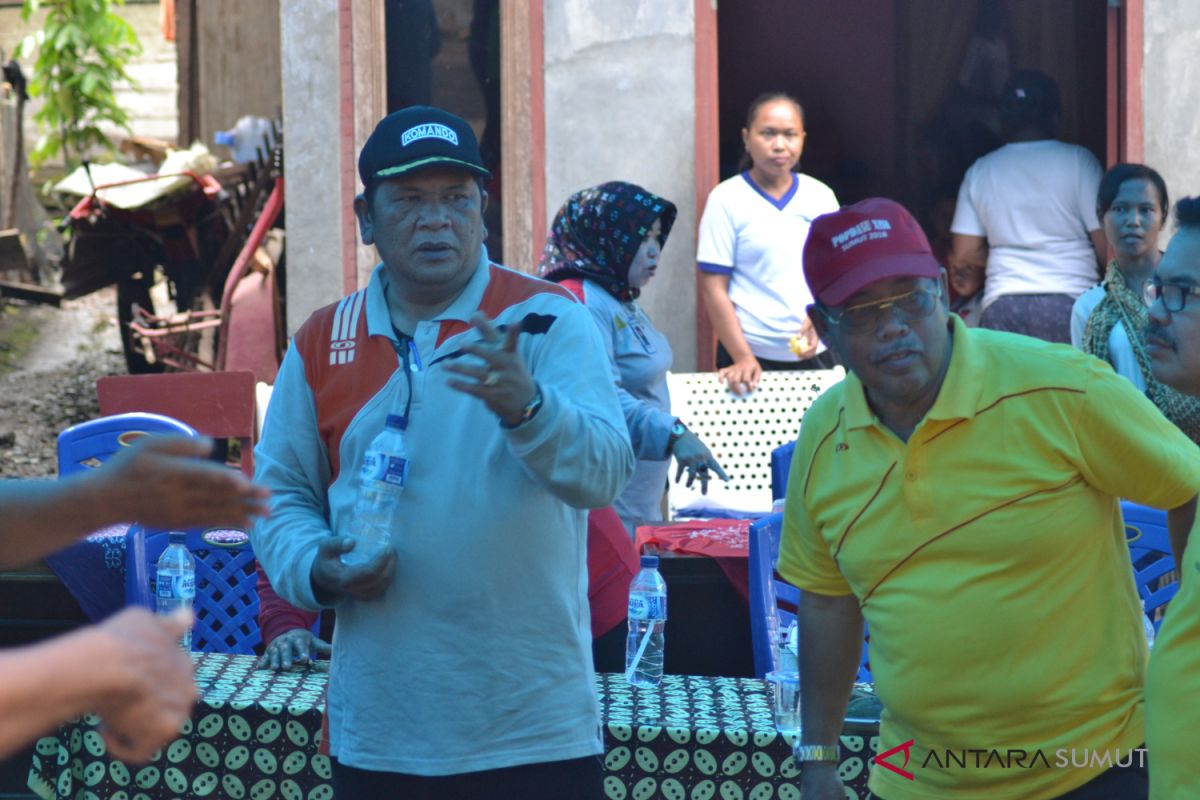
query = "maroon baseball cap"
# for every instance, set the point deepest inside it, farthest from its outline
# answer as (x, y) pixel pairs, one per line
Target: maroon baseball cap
(855, 246)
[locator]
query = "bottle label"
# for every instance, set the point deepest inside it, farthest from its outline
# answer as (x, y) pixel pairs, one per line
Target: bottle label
(385, 467)
(647, 606)
(182, 587)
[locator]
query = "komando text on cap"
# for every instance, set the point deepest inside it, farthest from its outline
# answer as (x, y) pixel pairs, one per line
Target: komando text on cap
(855, 246)
(418, 137)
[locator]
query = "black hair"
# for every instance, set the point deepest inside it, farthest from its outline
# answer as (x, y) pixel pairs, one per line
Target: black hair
(1187, 213)
(1030, 99)
(1110, 184)
(752, 112)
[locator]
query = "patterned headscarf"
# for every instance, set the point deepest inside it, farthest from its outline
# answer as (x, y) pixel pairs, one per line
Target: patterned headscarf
(598, 231)
(1121, 304)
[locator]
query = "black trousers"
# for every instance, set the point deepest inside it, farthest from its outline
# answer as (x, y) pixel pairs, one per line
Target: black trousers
(581, 778)
(824, 360)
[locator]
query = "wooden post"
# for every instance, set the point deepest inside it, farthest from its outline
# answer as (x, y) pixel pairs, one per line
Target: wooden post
(523, 132)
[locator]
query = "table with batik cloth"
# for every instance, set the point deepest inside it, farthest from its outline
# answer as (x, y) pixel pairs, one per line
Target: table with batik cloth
(254, 734)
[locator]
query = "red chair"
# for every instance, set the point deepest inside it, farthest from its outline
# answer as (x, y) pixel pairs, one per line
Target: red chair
(217, 404)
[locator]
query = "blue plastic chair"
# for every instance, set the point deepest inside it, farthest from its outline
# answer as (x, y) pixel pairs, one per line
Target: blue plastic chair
(1150, 552)
(773, 602)
(781, 465)
(226, 603)
(89, 444)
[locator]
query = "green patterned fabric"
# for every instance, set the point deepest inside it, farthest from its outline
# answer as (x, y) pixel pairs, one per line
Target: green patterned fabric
(254, 734)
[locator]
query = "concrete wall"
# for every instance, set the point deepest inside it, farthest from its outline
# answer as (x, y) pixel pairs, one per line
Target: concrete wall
(1171, 82)
(620, 104)
(312, 169)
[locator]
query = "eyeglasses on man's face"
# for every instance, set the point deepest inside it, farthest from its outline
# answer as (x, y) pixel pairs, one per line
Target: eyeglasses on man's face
(1173, 295)
(907, 307)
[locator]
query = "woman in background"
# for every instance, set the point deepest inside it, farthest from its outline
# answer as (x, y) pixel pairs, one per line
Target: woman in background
(1109, 321)
(1026, 218)
(604, 247)
(750, 253)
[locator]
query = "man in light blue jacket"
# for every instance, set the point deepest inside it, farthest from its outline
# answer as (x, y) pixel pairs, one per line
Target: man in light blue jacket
(462, 663)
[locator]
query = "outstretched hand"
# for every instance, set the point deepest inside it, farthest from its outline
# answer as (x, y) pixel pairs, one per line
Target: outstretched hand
(168, 482)
(500, 378)
(692, 455)
(332, 580)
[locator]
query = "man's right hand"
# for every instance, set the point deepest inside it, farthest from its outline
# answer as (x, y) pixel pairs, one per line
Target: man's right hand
(332, 580)
(156, 688)
(819, 780)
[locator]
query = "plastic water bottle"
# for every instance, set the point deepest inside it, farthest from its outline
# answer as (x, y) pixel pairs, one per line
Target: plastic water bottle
(788, 658)
(246, 138)
(1148, 626)
(647, 626)
(382, 479)
(175, 581)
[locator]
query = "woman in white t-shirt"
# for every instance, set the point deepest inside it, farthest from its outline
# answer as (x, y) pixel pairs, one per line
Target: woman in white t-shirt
(1026, 215)
(750, 253)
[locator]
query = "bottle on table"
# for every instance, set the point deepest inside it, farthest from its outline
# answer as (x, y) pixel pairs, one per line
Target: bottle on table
(381, 482)
(786, 681)
(175, 581)
(647, 626)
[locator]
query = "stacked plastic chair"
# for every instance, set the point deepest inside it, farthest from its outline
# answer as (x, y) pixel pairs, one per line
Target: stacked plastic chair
(226, 603)
(89, 444)
(773, 602)
(1153, 563)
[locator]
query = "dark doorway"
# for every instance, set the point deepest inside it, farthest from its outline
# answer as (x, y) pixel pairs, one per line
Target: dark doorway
(899, 94)
(447, 53)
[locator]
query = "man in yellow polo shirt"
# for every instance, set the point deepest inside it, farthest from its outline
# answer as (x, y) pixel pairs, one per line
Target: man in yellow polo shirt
(958, 492)
(1173, 683)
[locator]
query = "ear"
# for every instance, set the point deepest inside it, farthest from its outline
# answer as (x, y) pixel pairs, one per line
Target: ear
(483, 204)
(820, 324)
(746, 138)
(362, 211)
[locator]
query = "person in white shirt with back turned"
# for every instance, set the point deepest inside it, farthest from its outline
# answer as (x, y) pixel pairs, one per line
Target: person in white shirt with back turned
(1026, 217)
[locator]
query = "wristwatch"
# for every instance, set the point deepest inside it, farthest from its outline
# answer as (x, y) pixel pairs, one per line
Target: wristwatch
(677, 430)
(529, 411)
(816, 752)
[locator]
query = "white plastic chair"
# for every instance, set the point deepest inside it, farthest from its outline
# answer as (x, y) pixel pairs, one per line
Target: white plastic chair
(741, 432)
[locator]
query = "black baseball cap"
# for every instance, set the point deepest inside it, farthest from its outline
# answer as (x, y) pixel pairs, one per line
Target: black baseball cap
(417, 137)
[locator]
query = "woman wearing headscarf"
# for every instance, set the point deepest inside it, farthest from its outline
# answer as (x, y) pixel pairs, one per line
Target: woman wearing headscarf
(1109, 321)
(604, 246)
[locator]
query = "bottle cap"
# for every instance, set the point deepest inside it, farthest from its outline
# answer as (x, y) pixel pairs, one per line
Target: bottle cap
(177, 537)
(650, 562)
(397, 421)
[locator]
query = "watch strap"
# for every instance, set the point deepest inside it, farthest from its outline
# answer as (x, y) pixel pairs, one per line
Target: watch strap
(816, 752)
(529, 411)
(677, 430)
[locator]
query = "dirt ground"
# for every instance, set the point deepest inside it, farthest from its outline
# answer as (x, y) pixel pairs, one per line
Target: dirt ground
(50, 359)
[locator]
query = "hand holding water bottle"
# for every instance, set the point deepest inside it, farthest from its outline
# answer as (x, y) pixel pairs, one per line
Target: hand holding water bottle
(332, 579)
